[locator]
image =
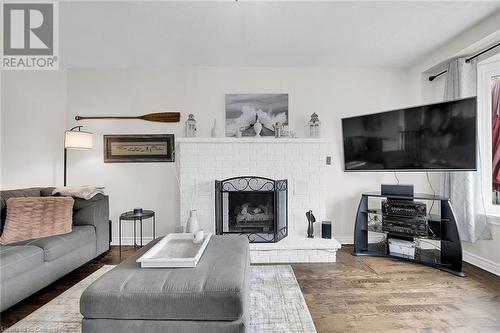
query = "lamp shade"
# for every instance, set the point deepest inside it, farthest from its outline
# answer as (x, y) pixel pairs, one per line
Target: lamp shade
(77, 140)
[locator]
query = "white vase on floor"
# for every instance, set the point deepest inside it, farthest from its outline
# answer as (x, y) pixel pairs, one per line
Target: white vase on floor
(192, 224)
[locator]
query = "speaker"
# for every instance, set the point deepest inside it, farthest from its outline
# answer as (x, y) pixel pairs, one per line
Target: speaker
(399, 189)
(326, 229)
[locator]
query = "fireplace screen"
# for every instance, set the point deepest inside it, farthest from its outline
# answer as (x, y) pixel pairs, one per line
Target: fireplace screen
(253, 206)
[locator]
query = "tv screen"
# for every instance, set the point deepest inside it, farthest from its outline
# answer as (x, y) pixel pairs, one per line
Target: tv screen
(432, 137)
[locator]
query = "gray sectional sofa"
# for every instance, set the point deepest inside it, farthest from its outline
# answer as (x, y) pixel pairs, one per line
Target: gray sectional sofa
(28, 266)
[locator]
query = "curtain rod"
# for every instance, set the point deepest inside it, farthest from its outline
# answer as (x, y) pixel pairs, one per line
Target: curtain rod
(432, 77)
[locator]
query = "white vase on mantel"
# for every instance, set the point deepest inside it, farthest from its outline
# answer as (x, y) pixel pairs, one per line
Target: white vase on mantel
(192, 224)
(257, 127)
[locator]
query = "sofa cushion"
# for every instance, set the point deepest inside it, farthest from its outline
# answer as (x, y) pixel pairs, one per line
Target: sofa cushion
(57, 246)
(15, 260)
(21, 193)
(35, 217)
(216, 289)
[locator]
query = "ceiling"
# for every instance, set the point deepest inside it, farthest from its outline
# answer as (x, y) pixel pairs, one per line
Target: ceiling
(250, 33)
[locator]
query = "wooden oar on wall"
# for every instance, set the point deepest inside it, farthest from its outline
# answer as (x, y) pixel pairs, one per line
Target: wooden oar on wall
(162, 117)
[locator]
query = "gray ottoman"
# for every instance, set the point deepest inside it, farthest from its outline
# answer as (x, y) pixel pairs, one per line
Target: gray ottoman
(213, 297)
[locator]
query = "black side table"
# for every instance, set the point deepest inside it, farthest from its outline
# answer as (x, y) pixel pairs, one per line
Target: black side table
(130, 216)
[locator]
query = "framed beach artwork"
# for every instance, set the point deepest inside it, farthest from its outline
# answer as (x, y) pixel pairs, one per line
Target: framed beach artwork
(138, 148)
(243, 111)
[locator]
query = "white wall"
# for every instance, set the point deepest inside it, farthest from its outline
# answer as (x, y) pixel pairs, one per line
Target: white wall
(128, 92)
(33, 112)
(331, 92)
(475, 39)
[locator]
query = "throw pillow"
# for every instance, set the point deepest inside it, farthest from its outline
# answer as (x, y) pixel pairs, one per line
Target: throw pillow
(36, 217)
(4, 195)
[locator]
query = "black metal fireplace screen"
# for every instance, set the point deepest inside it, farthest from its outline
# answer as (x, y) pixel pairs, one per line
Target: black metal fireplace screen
(253, 206)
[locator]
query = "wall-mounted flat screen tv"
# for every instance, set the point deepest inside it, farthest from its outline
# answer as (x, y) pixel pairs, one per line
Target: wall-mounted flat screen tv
(431, 137)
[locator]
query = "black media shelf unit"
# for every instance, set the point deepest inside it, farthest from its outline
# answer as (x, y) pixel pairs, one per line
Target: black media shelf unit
(447, 258)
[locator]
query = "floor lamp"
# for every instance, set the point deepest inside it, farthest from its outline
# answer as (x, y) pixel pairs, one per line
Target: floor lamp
(75, 138)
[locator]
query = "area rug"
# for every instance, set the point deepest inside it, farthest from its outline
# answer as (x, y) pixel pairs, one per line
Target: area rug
(276, 305)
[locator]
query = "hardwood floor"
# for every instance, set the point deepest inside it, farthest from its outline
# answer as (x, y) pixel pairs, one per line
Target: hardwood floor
(367, 294)
(355, 294)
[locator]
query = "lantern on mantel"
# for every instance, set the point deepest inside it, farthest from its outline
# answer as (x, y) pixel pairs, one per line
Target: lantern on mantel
(314, 126)
(191, 126)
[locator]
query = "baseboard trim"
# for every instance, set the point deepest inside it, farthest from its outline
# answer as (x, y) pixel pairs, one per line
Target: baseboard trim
(483, 263)
(130, 240)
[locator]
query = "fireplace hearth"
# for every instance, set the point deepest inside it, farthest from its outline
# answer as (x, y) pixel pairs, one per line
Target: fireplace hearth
(253, 206)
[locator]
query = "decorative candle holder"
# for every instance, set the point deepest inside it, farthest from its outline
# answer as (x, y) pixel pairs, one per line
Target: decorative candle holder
(314, 126)
(191, 129)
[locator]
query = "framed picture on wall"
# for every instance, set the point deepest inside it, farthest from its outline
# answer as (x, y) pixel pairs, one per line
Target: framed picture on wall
(131, 148)
(244, 110)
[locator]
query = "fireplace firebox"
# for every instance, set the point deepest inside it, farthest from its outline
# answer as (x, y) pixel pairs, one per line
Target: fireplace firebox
(253, 206)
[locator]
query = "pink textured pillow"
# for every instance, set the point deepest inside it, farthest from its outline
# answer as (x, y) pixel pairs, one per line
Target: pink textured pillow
(36, 217)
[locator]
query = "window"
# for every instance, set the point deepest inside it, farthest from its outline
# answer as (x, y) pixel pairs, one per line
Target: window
(488, 93)
(495, 134)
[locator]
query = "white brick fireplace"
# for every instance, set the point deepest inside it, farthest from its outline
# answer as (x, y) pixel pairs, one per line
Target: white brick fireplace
(201, 161)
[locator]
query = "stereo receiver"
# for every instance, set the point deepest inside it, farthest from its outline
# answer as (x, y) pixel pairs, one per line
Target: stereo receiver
(404, 208)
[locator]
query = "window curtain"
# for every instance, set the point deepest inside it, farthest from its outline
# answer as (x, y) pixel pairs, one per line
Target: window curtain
(495, 113)
(465, 188)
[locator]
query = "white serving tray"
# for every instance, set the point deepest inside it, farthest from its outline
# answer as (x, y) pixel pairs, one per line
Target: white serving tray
(175, 250)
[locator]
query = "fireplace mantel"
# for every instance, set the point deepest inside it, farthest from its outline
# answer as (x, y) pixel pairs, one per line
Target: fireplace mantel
(261, 139)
